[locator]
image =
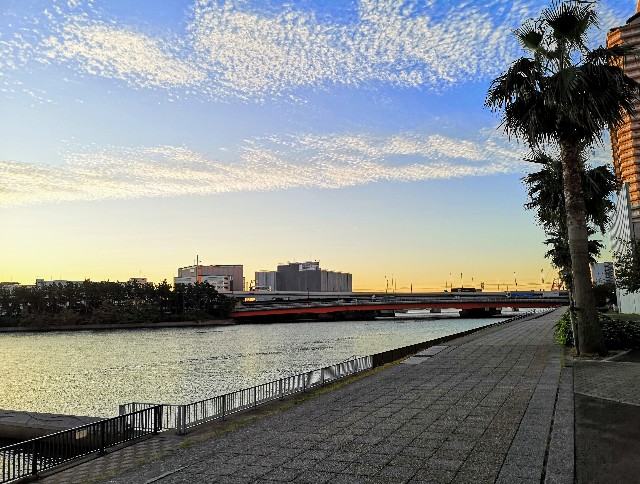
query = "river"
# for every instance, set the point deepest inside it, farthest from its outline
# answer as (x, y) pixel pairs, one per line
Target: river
(92, 372)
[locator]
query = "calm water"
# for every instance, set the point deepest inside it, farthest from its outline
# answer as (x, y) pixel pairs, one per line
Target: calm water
(92, 372)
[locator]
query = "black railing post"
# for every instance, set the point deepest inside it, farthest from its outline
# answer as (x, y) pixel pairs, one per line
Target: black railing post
(34, 458)
(322, 377)
(102, 436)
(280, 395)
(156, 417)
(224, 404)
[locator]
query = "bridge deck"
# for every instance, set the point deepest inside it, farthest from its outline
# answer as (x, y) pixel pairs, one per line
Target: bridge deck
(328, 308)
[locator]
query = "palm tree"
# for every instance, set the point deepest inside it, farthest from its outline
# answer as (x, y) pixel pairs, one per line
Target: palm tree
(545, 192)
(564, 95)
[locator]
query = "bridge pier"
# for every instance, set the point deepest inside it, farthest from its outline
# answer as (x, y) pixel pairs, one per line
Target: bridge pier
(479, 312)
(386, 313)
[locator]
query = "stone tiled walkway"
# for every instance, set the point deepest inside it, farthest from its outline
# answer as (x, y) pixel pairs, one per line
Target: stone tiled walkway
(610, 380)
(115, 463)
(480, 410)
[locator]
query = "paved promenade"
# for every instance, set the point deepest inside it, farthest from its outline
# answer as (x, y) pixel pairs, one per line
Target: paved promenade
(496, 406)
(607, 403)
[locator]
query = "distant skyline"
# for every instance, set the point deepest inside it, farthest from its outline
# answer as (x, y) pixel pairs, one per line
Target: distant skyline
(137, 135)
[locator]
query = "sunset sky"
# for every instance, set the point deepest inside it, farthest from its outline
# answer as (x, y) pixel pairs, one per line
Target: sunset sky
(137, 135)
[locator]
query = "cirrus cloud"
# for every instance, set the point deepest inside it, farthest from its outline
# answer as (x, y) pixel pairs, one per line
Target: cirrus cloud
(229, 50)
(264, 164)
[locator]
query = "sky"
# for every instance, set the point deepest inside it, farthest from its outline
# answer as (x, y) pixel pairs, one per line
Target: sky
(137, 136)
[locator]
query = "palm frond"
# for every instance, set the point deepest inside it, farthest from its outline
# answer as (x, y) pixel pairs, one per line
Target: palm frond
(529, 36)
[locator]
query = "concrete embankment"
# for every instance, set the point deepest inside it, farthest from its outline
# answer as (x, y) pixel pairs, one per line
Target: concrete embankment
(94, 327)
(21, 426)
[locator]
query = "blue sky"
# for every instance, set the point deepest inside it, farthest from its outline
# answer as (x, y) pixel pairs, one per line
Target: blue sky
(135, 135)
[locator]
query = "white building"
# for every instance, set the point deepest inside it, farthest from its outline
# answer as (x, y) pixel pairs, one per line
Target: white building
(62, 282)
(219, 283)
(622, 233)
(602, 273)
(266, 279)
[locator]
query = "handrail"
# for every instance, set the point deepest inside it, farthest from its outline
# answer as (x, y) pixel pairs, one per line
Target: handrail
(183, 417)
(30, 457)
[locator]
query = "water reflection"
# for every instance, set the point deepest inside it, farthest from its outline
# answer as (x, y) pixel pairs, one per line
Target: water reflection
(91, 373)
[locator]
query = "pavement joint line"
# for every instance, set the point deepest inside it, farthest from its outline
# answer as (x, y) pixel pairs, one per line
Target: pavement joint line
(165, 474)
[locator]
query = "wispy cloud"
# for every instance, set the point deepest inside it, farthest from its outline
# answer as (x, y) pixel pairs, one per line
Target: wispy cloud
(330, 161)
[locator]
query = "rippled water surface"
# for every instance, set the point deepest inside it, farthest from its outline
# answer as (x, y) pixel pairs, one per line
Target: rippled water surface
(92, 372)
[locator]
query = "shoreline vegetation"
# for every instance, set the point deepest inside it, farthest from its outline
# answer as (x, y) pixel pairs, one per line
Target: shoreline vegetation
(621, 331)
(111, 305)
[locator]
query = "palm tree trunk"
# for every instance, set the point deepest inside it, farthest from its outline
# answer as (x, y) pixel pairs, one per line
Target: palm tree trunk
(589, 332)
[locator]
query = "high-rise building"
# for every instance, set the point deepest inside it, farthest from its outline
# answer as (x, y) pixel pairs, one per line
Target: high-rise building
(625, 141)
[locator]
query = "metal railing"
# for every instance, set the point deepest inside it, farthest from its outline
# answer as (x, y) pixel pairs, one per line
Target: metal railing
(183, 417)
(36, 455)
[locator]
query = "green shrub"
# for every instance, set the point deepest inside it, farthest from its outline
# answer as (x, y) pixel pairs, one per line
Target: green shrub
(618, 334)
(562, 330)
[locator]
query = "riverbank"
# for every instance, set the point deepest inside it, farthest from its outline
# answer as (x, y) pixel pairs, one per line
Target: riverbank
(51, 372)
(96, 327)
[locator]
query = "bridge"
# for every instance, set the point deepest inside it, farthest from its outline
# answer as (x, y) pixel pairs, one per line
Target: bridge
(361, 305)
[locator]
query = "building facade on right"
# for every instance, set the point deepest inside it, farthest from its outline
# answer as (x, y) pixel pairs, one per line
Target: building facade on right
(625, 141)
(625, 146)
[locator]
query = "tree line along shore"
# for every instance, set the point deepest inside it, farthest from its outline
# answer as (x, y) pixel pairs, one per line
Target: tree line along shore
(110, 303)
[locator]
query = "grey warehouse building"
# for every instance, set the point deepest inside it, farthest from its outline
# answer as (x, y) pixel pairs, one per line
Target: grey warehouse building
(307, 276)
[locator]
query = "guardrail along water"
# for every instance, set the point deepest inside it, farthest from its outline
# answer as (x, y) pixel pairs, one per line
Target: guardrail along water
(37, 455)
(182, 417)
